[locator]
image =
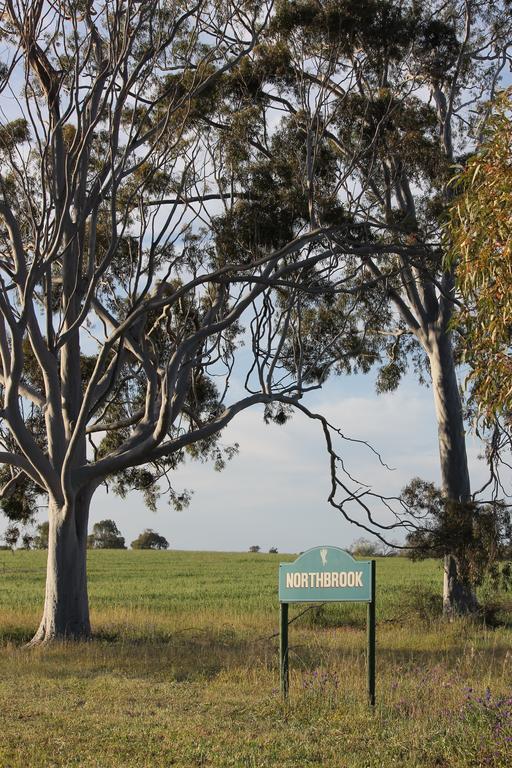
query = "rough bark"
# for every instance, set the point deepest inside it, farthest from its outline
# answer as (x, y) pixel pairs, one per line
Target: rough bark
(458, 594)
(66, 606)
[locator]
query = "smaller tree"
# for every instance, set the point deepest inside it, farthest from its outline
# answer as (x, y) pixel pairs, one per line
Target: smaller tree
(273, 551)
(365, 548)
(26, 541)
(11, 536)
(254, 548)
(150, 539)
(105, 535)
(41, 537)
(479, 535)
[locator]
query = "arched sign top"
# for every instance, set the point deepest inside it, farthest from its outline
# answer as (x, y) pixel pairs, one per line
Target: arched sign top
(325, 574)
(324, 553)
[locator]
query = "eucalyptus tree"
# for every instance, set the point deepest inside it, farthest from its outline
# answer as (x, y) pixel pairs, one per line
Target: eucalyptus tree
(379, 99)
(120, 301)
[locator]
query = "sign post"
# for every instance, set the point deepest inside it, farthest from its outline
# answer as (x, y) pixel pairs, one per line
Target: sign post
(323, 575)
(283, 648)
(371, 641)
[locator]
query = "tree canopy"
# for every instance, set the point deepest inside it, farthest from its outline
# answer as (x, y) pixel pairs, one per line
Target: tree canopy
(150, 539)
(105, 535)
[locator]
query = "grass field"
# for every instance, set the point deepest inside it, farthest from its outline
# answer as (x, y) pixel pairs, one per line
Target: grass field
(183, 671)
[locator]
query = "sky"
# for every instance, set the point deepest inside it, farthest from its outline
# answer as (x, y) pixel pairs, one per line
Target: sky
(274, 492)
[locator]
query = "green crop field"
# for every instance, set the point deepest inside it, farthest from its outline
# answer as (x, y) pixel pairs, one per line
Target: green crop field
(183, 671)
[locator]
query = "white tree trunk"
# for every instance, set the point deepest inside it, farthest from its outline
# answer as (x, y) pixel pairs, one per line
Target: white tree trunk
(458, 594)
(66, 606)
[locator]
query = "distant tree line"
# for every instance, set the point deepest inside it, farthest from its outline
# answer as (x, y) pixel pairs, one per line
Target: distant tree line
(105, 535)
(256, 548)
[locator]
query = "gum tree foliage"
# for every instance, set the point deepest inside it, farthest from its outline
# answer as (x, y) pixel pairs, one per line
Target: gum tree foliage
(150, 539)
(121, 293)
(480, 229)
(105, 535)
(375, 101)
(481, 238)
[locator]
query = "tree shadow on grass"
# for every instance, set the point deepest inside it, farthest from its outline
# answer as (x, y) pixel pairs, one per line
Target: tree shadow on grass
(201, 654)
(179, 657)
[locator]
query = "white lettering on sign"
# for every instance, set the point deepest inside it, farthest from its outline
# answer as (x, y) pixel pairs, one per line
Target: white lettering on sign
(325, 580)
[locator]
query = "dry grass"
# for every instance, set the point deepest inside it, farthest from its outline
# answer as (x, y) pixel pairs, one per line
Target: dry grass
(183, 672)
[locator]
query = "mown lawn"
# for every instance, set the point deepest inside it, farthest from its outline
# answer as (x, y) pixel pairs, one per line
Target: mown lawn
(183, 671)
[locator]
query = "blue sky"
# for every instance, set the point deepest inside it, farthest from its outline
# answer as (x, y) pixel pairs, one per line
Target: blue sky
(274, 493)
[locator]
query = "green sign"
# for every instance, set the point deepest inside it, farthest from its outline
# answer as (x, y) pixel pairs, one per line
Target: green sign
(325, 574)
(320, 575)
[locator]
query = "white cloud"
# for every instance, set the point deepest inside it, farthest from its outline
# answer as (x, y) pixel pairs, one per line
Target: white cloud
(274, 493)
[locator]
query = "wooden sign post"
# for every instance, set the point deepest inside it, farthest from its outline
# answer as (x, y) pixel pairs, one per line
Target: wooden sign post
(326, 575)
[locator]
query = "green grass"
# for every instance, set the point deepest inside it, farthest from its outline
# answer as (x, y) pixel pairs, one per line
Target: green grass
(183, 671)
